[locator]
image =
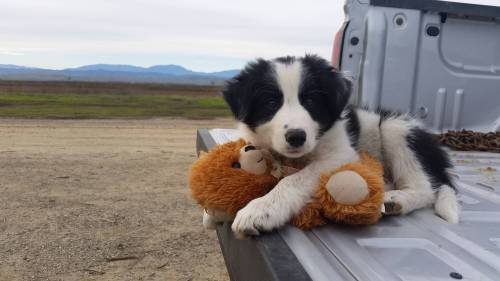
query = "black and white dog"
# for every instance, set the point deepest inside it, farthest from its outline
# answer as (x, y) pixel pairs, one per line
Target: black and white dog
(298, 108)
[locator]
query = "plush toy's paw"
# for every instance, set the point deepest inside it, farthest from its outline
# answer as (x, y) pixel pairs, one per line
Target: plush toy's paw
(211, 217)
(347, 187)
(252, 219)
(394, 203)
(208, 221)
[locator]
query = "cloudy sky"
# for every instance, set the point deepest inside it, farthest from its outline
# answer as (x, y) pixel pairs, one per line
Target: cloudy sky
(199, 34)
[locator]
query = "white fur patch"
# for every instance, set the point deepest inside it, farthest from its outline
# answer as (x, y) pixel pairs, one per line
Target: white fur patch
(446, 205)
(410, 190)
(292, 115)
(293, 192)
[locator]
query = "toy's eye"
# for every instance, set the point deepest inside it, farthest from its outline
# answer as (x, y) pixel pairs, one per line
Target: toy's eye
(250, 147)
(236, 165)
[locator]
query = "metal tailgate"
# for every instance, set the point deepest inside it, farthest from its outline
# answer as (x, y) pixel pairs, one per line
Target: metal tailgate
(438, 60)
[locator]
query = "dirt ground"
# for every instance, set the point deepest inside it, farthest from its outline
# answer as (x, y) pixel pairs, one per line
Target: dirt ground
(102, 200)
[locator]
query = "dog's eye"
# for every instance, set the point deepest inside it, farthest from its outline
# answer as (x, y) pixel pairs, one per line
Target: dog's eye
(309, 102)
(310, 99)
(270, 101)
(236, 165)
(272, 104)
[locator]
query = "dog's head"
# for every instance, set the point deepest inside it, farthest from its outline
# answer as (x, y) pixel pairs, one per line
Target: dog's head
(286, 104)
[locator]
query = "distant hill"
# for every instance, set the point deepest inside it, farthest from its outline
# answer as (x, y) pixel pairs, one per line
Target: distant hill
(12, 66)
(174, 74)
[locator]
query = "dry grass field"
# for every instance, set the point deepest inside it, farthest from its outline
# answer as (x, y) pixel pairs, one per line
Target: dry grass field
(59, 87)
(105, 100)
(102, 200)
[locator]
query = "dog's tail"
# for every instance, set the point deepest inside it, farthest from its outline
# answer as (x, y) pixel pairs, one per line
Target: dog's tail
(446, 205)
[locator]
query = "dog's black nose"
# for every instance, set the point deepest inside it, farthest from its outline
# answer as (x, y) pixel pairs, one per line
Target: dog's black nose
(295, 137)
(250, 147)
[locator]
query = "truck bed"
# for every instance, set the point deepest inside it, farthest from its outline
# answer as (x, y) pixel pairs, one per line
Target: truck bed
(420, 246)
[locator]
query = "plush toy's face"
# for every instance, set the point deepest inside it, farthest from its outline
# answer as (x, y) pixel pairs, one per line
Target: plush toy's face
(231, 175)
(252, 160)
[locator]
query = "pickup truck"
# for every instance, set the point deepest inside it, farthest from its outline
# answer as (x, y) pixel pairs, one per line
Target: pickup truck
(441, 62)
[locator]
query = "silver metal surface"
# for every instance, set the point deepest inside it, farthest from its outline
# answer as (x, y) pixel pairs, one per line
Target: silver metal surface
(420, 246)
(417, 247)
(402, 67)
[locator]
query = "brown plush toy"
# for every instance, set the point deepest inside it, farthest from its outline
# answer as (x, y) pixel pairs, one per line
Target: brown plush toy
(228, 177)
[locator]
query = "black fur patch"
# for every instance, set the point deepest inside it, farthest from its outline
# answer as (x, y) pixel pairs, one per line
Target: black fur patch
(433, 159)
(386, 114)
(253, 95)
(286, 60)
(383, 113)
(353, 127)
(324, 92)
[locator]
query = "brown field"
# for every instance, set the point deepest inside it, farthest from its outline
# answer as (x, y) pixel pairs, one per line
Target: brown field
(73, 87)
(102, 200)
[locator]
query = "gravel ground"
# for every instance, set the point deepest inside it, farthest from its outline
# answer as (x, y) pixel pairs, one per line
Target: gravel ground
(102, 200)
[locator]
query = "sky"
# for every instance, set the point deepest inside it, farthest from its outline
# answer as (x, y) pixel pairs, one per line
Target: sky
(201, 35)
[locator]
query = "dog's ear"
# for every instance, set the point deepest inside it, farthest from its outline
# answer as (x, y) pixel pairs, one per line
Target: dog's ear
(231, 94)
(238, 91)
(343, 89)
(330, 80)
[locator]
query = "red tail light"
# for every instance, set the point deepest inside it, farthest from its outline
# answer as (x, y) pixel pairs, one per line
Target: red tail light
(337, 45)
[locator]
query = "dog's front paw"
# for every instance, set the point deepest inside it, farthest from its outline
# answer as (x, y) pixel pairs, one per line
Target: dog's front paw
(395, 203)
(253, 219)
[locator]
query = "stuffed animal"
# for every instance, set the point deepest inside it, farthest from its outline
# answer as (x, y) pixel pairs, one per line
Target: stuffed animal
(228, 177)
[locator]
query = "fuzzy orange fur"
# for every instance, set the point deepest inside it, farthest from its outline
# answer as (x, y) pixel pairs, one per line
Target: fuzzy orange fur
(216, 184)
(324, 206)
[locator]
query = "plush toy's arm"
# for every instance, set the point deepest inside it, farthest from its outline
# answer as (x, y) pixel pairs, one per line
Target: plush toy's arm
(310, 216)
(211, 217)
(353, 194)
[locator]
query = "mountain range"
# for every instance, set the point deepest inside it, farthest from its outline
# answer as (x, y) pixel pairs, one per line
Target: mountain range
(171, 73)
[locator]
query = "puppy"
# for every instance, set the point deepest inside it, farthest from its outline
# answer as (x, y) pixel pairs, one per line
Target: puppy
(297, 107)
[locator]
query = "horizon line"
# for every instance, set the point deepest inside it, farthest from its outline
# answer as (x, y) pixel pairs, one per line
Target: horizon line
(119, 64)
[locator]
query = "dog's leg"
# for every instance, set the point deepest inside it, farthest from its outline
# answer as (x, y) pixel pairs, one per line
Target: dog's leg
(287, 199)
(412, 187)
(416, 162)
(408, 197)
(278, 206)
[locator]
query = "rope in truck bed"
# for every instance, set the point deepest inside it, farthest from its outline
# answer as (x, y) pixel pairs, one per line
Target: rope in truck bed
(471, 141)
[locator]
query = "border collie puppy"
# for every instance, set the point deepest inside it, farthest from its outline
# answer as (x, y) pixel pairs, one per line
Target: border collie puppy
(297, 107)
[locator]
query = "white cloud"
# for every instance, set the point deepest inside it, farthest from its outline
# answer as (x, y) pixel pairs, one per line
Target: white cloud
(62, 33)
(6, 52)
(201, 34)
